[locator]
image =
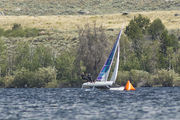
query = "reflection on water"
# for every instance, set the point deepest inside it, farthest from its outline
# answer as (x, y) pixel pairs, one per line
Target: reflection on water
(82, 104)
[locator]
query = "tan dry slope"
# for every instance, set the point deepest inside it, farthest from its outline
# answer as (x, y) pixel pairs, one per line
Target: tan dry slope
(70, 22)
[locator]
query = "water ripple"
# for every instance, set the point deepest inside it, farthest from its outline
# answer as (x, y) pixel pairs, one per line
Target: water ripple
(81, 104)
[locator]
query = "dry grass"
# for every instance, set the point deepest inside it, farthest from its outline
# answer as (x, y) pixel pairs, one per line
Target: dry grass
(70, 22)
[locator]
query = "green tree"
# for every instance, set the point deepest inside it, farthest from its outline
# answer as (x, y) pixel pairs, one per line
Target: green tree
(23, 57)
(22, 78)
(66, 70)
(173, 42)
(8, 81)
(3, 56)
(168, 45)
(93, 45)
(33, 57)
(42, 77)
(42, 57)
(142, 22)
(166, 77)
(125, 46)
(39, 78)
(135, 30)
(140, 78)
(176, 61)
(137, 27)
(156, 29)
(131, 63)
(149, 59)
(1, 32)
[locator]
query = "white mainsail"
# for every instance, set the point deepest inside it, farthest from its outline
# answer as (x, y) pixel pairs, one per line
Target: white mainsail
(114, 75)
(107, 73)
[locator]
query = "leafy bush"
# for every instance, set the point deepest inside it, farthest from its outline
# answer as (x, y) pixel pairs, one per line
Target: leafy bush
(177, 62)
(43, 77)
(22, 78)
(52, 84)
(122, 78)
(176, 81)
(3, 56)
(1, 82)
(66, 70)
(166, 77)
(8, 81)
(1, 31)
(33, 58)
(132, 62)
(16, 26)
(140, 78)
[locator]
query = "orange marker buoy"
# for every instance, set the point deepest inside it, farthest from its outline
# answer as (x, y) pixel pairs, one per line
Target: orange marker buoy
(129, 86)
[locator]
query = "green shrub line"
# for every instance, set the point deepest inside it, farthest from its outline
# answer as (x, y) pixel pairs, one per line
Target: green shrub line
(140, 78)
(46, 77)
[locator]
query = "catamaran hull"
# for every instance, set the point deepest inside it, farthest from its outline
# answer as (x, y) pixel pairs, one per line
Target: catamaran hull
(98, 84)
(103, 85)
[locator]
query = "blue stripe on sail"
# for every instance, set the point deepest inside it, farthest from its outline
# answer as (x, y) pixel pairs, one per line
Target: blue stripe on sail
(109, 60)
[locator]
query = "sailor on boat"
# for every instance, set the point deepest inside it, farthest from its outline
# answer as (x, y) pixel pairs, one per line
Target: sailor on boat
(83, 76)
(88, 77)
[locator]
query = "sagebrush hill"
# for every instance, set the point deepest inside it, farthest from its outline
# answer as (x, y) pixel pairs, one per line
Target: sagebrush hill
(88, 7)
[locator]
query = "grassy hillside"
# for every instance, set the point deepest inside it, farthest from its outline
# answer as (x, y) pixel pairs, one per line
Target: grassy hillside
(62, 30)
(74, 7)
(70, 23)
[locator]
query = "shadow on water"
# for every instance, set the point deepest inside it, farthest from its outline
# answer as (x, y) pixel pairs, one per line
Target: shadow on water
(79, 104)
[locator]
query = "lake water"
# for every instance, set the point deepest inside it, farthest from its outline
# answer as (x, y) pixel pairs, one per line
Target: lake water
(161, 103)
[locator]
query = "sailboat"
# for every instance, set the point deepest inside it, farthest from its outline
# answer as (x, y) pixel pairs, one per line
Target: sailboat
(102, 79)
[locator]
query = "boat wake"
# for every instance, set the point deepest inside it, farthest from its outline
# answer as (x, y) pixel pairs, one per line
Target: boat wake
(117, 88)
